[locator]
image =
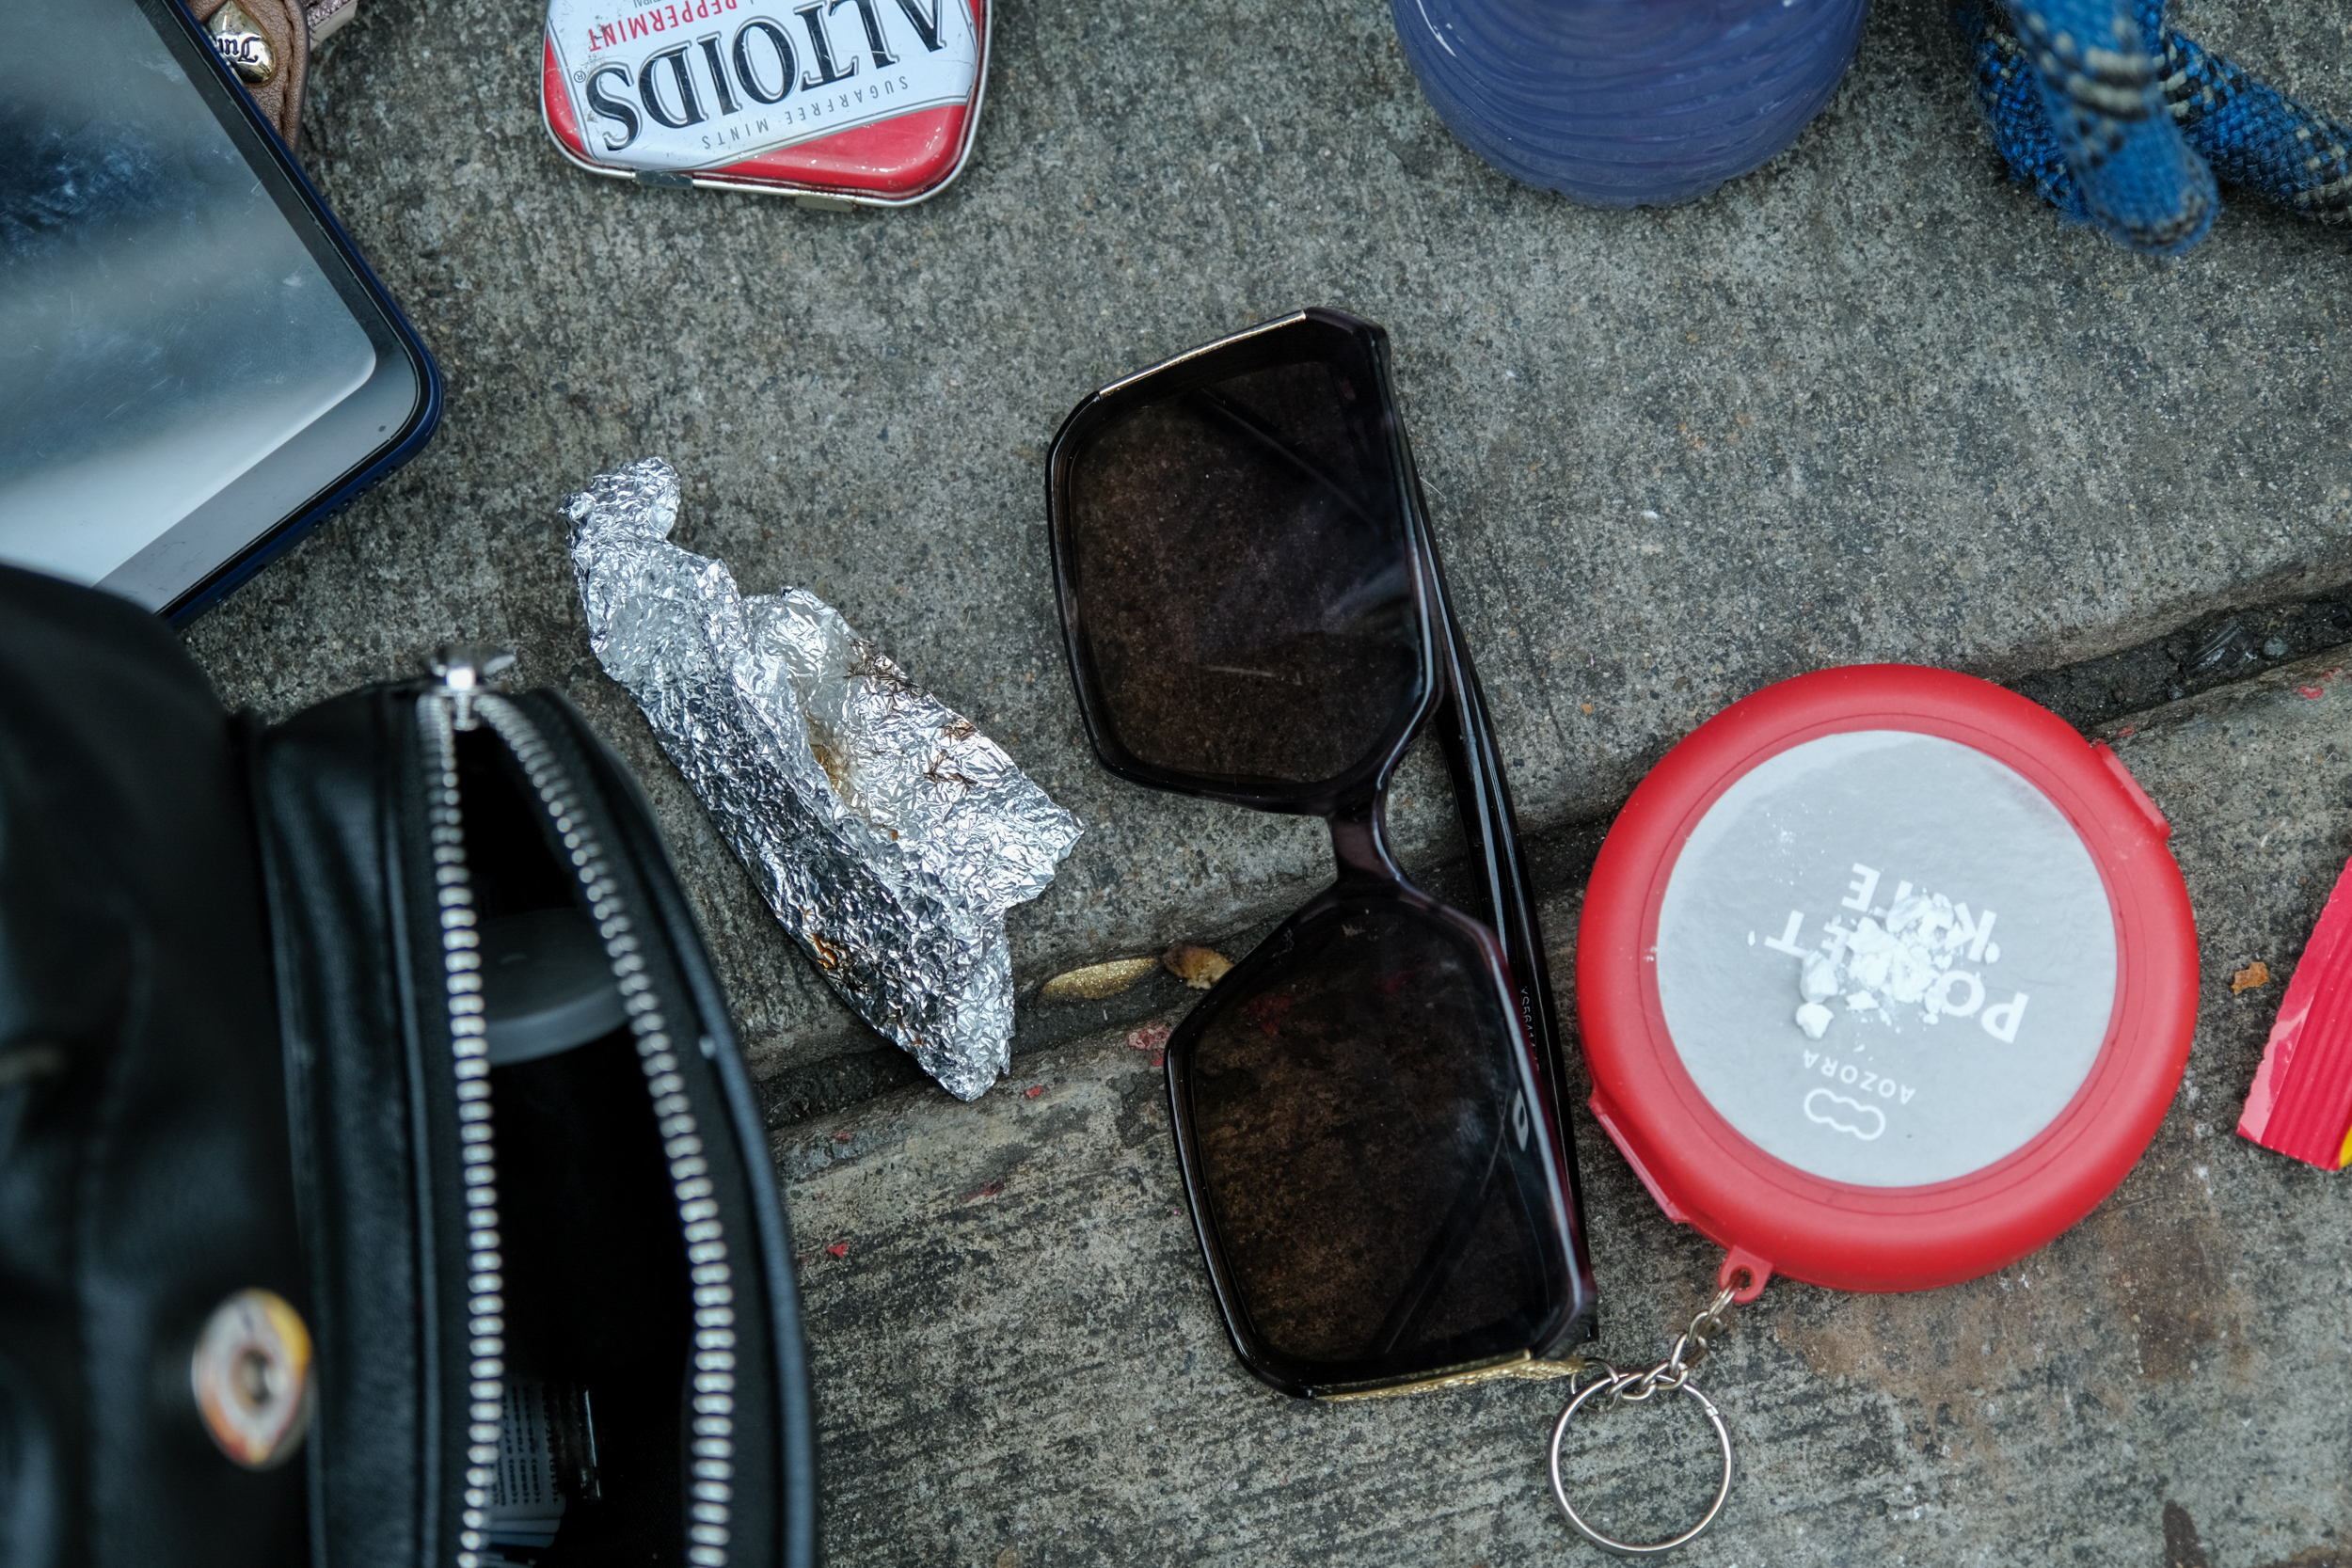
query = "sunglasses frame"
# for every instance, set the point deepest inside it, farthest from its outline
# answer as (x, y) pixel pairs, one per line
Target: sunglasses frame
(1510, 950)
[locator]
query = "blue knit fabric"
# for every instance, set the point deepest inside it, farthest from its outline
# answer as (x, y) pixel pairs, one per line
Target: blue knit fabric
(2129, 135)
(2255, 136)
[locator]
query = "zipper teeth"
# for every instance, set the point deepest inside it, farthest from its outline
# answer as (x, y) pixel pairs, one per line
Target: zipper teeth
(461, 969)
(713, 1442)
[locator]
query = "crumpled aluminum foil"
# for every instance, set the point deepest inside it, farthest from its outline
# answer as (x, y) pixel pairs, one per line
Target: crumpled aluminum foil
(888, 834)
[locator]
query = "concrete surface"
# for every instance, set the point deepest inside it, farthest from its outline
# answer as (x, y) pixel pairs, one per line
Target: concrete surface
(1020, 1364)
(1871, 402)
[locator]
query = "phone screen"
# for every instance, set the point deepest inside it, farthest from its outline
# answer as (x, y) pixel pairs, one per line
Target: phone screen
(189, 362)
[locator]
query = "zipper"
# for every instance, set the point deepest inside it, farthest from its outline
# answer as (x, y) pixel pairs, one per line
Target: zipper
(712, 1444)
(485, 1269)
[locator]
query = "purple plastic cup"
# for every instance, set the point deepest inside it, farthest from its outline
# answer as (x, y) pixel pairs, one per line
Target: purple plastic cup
(1628, 103)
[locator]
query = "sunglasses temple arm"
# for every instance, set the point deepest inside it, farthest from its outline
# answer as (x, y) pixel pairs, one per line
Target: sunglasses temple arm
(1469, 740)
(1488, 823)
(1490, 827)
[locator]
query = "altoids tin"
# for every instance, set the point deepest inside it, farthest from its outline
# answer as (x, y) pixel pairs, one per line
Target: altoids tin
(867, 102)
(1887, 978)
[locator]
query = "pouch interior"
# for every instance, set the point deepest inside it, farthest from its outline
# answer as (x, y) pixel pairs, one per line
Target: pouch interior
(597, 1296)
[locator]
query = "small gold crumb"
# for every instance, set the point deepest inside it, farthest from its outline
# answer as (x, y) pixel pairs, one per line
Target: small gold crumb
(2255, 974)
(1198, 967)
(1097, 981)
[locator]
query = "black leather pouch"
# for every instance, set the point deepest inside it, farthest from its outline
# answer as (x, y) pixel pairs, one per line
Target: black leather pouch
(379, 1180)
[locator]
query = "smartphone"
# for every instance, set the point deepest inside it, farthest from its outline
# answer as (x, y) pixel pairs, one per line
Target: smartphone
(195, 365)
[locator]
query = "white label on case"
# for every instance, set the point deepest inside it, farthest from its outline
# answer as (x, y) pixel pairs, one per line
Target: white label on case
(1887, 958)
(526, 1509)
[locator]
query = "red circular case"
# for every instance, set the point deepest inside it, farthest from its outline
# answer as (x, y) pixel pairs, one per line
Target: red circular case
(1774, 1217)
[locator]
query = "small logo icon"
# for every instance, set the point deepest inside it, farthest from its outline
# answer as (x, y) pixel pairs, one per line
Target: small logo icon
(1864, 1122)
(1518, 1119)
(239, 40)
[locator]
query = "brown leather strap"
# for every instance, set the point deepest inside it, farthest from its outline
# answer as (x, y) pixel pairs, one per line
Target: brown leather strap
(275, 71)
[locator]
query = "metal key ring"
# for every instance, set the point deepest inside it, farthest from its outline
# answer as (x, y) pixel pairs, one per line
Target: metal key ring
(1621, 1548)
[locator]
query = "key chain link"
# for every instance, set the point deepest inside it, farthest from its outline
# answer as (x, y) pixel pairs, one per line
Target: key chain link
(1690, 1349)
(1672, 1375)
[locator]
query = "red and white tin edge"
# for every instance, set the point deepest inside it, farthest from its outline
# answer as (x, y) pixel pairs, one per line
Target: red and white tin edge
(881, 157)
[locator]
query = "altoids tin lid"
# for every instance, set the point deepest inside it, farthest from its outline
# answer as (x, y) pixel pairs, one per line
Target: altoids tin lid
(871, 101)
(1885, 977)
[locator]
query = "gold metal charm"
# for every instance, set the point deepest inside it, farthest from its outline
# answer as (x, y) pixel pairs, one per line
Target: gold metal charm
(252, 1377)
(240, 41)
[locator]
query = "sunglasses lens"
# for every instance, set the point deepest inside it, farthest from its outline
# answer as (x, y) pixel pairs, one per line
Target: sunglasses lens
(1371, 1168)
(1244, 577)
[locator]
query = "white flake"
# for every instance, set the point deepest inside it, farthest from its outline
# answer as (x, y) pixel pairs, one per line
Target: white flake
(1905, 963)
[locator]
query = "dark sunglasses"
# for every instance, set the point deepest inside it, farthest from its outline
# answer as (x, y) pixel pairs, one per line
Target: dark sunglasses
(1367, 1107)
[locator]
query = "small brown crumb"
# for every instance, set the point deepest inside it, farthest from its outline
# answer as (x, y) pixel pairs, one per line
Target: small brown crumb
(2255, 974)
(1198, 967)
(1588, 708)
(1096, 981)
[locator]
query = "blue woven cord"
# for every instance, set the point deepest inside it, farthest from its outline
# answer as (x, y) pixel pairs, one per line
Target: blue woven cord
(2257, 136)
(2130, 138)
(2073, 89)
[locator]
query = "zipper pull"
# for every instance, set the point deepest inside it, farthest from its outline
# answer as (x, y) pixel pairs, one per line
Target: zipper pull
(462, 668)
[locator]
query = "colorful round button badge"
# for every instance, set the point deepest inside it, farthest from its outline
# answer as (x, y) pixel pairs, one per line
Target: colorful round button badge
(1885, 978)
(251, 1378)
